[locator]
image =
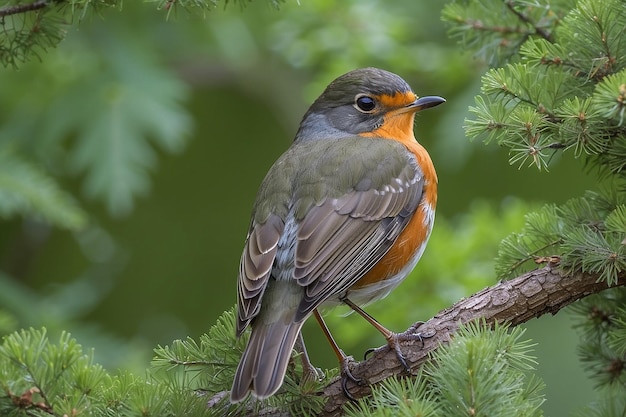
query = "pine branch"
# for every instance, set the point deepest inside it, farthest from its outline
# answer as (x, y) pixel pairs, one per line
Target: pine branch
(23, 8)
(515, 301)
(526, 19)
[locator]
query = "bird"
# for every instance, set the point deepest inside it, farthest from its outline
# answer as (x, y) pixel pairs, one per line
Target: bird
(341, 217)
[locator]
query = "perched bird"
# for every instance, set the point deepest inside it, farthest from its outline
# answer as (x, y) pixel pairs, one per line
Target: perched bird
(341, 217)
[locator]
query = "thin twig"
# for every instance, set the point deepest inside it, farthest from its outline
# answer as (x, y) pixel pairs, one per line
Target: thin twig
(524, 18)
(23, 8)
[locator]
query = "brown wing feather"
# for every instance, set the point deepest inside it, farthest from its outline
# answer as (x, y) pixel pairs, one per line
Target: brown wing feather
(355, 232)
(255, 267)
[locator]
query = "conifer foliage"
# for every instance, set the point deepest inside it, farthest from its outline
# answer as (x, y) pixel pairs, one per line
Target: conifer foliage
(557, 88)
(479, 373)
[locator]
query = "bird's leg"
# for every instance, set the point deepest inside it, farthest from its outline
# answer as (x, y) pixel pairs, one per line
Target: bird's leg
(344, 360)
(393, 339)
(308, 370)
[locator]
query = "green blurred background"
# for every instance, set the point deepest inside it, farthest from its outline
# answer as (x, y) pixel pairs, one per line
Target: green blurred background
(239, 80)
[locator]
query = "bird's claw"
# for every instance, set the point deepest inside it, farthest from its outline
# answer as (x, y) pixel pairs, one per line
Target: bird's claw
(311, 373)
(395, 339)
(346, 375)
(422, 335)
(368, 352)
(394, 343)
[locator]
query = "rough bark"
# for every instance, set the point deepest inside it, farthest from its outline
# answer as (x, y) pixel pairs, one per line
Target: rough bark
(545, 290)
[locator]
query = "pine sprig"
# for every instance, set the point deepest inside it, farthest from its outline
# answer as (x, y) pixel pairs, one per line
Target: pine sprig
(575, 235)
(208, 367)
(29, 28)
(602, 350)
(39, 377)
(564, 92)
(46, 377)
(211, 362)
(561, 94)
(615, 222)
(484, 374)
(599, 27)
(496, 29)
(541, 239)
(610, 96)
(481, 372)
(403, 397)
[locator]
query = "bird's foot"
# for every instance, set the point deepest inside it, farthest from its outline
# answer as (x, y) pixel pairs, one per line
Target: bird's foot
(394, 340)
(347, 376)
(311, 373)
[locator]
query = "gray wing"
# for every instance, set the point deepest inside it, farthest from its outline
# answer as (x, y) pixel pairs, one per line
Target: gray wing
(340, 240)
(255, 268)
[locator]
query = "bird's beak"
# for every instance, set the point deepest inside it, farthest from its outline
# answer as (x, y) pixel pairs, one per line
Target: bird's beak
(427, 102)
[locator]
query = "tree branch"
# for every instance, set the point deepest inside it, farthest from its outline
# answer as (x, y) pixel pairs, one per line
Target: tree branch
(23, 8)
(524, 18)
(545, 290)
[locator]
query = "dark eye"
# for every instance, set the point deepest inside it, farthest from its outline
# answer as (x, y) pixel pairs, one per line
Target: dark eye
(365, 103)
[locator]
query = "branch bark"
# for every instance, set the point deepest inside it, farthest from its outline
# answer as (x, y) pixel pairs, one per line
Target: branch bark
(545, 290)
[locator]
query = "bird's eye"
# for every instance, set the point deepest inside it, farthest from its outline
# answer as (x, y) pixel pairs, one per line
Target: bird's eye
(365, 103)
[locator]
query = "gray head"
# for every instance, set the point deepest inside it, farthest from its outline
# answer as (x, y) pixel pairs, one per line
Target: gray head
(357, 102)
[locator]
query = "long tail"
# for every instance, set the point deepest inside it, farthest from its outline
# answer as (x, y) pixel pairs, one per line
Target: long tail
(264, 362)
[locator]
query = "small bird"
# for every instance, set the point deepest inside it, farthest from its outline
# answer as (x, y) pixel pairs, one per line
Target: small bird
(341, 217)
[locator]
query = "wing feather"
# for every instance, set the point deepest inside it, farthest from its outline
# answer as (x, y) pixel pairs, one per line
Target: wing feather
(360, 228)
(255, 268)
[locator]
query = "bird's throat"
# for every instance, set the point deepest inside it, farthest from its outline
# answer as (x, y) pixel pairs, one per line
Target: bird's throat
(397, 125)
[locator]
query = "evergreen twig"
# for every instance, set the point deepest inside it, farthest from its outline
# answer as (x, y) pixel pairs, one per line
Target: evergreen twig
(24, 8)
(526, 19)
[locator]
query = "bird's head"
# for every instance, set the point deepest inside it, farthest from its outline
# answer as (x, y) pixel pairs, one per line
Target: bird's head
(365, 102)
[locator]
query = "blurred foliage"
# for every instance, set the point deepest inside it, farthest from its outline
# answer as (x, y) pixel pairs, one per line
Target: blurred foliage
(600, 321)
(108, 136)
(82, 130)
(27, 190)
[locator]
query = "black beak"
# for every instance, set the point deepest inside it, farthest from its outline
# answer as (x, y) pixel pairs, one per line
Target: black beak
(427, 102)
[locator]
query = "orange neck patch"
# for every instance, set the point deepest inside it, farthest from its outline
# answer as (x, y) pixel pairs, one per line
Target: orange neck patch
(398, 118)
(397, 125)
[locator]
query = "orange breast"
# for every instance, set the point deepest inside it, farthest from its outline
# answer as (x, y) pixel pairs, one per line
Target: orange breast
(417, 230)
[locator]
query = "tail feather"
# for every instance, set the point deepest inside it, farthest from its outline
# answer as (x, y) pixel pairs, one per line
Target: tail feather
(264, 362)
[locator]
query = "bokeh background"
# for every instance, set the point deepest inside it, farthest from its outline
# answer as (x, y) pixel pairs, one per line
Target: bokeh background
(214, 99)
